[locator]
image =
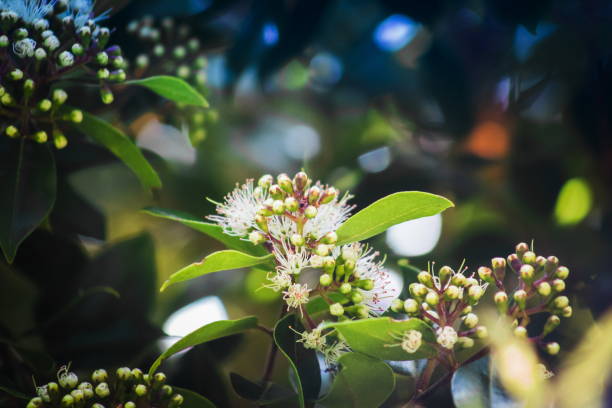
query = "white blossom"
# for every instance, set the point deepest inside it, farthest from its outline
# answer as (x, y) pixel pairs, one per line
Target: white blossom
(446, 337)
(296, 295)
(289, 259)
(281, 228)
(329, 217)
(29, 10)
(237, 213)
(333, 352)
(278, 281)
(24, 48)
(313, 339)
(411, 341)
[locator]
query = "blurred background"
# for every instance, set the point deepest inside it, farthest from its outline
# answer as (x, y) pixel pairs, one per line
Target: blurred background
(502, 106)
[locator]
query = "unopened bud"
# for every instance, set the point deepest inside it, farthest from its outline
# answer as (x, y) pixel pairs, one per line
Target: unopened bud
(291, 204)
(278, 207)
(514, 262)
(59, 96)
(325, 279)
(481, 332)
(11, 131)
(276, 192)
(124, 373)
(551, 324)
(527, 273)
(486, 274)
(520, 332)
(567, 311)
(297, 240)
(544, 289)
(345, 288)
(562, 272)
(458, 279)
(520, 297)
(521, 248)
(314, 193)
(366, 284)
(300, 181)
(65, 59)
(432, 298)
(59, 140)
(265, 181)
(452, 292)
(529, 258)
(425, 278)
(561, 302)
(322, 250)
(336, 309)
(40, 136)
(411, 306)
(76, 116)
(129, 404)
(501, 300)
(310, 212)
(99, 376)
(552, 348)
(16, 74)
(444, 274)
(107, 96)
(475, 292)
(285, 183)
(256, 237)
(417, 290)
(558, 285)
(330, 238)
(44, 105)
(356, 297)
(470, 320)
(329, 263)
(35, 402)
(552, 262)
(78, 396)
(140, 390)
(102, 390)
(329, 195)
(67, 401)
(103, 73)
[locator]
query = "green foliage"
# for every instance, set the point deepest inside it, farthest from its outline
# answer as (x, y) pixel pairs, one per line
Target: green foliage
(192, 399)
(380, 337)
(362, 382)
(262, 394)
(388, 211)
(27, 191)
(172, 88)
(215, 262)
(121, 146)
(212, 331)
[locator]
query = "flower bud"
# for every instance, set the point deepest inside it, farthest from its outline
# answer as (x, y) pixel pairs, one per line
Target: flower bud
(349, 266)
(129, 404)
(552, 262)
(11, 131)
(4, 41)
(540, 262)
(567, 311)
(175, 402)
(458, 279)
(159, 379)
(256, 237)
(285, 183)
(76, 116)
(410, 306)
(356, 297)
(278, 207)
(103, 73)
(551, 324)
(65, 59)
(59, 96)
(417, 290)
(300, 181)
(261, 222)
(67, 401)
(276, 192)
(313, 194)
(330, 238)
(124, 373)
(397, 305)
(527, 273)
(166, 391)
(102, 390)
(140, 390)
(329, 195)
(297, 240)
(310, 212)
(552, 348)
(365, 284)
(44, 105)
(529, 258)
(452, 292)
(562, 272)
(322, 250)
(67, 379)
(35, 402)
(501, 300)
(521, 248)
(514, 262)
(470, 320)
(486, 274)
(558, 285)
(425, 278)
(520, 332)
(106, 95)
(475, 292)
(59, 140)
(561, 302)
(87, 390)
(336, 309)
(345, 288)
(444, 274)
(265, 181)
(99, 376)
(544, 289)
(291, 204)
(432, 298)
(16, 74)
(77, 49)
(325, 279)
(465, 342)
(329, 263)
(78, 396)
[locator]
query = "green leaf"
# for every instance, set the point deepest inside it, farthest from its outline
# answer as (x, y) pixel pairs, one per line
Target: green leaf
(476, 386)
(27, 191)
(212, 230)
(172, 88)
(14, 393)
(262, 394)
(302, 361)
(192, 399)
(211, 331)
(380, 337)
(215, 262)
(363, 382)
(121, 146)
(388, 211)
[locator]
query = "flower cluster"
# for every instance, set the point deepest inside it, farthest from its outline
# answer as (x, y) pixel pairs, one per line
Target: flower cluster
(43, 42)
(167, 47)
(127, 388)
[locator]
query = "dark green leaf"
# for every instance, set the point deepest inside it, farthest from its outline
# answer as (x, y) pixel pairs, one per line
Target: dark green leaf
(303, 361)
(363, 382)
(212, 331)
(192, 399)
(14, 393)
(27, 191)
(212, 230)
(380, 337)
(215, 262)
(269, 393)
(388, 211)
(121, 146)
(172, 88)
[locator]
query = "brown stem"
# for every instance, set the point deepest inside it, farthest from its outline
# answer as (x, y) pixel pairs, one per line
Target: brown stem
(272, 352)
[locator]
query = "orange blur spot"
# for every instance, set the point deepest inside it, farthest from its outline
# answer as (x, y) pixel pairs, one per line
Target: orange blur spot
(489, 140)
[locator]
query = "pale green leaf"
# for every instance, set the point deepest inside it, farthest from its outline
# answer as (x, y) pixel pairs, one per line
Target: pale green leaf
(388, 211)
(211, 331)
(192, 399)
(215, 262)
(172, 88)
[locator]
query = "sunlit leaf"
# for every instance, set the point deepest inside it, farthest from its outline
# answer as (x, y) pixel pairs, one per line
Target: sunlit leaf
(574, 202)
(212, 230)
(215, 262)
(121, 146)
(362, 382)
(212, 331)
(380, 337)
(388, 211)
(172, 88)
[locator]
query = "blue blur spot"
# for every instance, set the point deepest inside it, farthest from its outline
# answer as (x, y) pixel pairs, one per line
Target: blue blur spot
(270, 34)
(395, 32)
(524, 41)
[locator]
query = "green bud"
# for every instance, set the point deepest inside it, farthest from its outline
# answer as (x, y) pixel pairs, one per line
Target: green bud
(527, 273)
(330, 238)
(102, 390)
(77, 395)
(35, 402)
(300, 181)
(322, 250)
(129, 404)
(365, 284)
(558, 285)
(102, 58)
(349, 266)
(4, 41)
(310, 212)
(166, 391)
(6, 99)
(514, 262)
(118, 62)
(314, 193)
(544, 288)
(552, 262)
(99, 376)
(561, 302)
(291, 204)
(44, 105)
(466, 310)
(529, 258)
(179, 52)
(140, 390)
(520, 332)
(54, 390)
(40, 54)
(276, 192)
(40, 136)
(278, 207)
(107, 96)
(432, 298)
(124, 373)
(117, 75)
(76, 116)
(417, 290)
(28, 86)
(452, 292)
(297, 240)
(540, 262)
(486, 274)
(425, 278)
(87, 389)
(521, 248)
(470, 320)
(465, 342)
(176, 401)
(562, 272)
(551, 324)
(103, 73)
(256, 238)
(458, 279)
(356, 297)
(471, 282)
(325, 279)
(261, 222)
(11, 131)
(445, 273)
(336, 309)
(16, 74)
(285, 183)
(481, 332)
(501, 300)
(67, 401)
(77, 49)
(520, 297)
(59, 96)
(183, 71)
(411, 306)
(552, 348)
(329, 195)
(345, 288)
(397, 306)
(567, 311)
(159, 378)
(97, 405)
(475, 292)
(329, 263)
(265, 181)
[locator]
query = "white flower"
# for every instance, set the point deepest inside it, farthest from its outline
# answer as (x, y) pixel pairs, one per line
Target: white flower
(446, 337)
(332, 353)
(296, 295)
(411, 341)
(329, 217)
(278, 281)
(237, 214)
(313, 339)
(290, 260)
(24, 48)
(281, 228)
(43, 393)
(28, 10)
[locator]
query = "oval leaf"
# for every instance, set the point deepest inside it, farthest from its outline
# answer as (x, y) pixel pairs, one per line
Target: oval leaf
(211, 331)
(27, 191)
(192, 399)
(172, 88)
(380, 337)
(212, 230)
(363, 382)
(121, 146)
(302, 361)
(215, 262)
(263, 394)
(388, 211)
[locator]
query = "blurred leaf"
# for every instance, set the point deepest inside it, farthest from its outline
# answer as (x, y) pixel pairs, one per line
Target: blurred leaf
(380, 337)
(172, 88)
(388, 211)
(362, 382)
(303, 361)
(212, 331)
(27, 191)
(269, 393)
(574, 202)
(14, 393)
(476, 386)
(215, 262)
(192, 399)
(212, 230)
(121, 146)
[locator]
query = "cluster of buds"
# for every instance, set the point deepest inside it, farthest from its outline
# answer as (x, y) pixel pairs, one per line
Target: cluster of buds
(127, 388)
(539, 287)
(41, 43)
(168, 47)
(445, 300)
